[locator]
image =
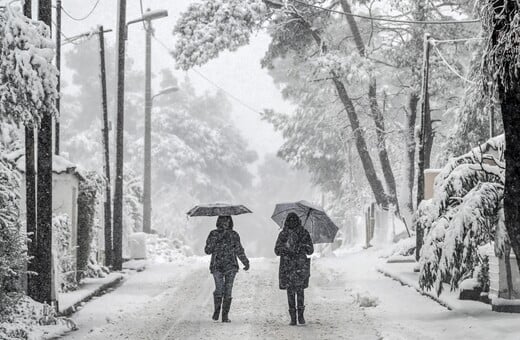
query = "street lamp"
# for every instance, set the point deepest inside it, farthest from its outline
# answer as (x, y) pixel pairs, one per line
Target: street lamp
(147, 186)
(165, 91)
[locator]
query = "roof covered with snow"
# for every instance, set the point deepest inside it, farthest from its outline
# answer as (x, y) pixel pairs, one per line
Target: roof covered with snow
(59, 163)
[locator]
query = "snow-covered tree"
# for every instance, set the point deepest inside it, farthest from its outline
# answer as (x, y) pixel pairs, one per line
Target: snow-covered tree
(28, 75)
(465, 212)
(501, 67)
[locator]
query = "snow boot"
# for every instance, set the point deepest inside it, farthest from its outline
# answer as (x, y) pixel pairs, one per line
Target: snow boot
(226, 304)
(218, 303)
(292, 313)
(301, 319)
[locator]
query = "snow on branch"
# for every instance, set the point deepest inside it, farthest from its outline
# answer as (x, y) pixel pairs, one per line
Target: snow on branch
(209, 27)
(29, 78)
(463, 215)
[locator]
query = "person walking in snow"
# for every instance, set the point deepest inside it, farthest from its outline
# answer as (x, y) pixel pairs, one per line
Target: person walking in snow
(223, 244)
(293, 245)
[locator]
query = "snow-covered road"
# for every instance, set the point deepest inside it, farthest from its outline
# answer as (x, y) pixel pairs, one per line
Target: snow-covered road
(174, 301)
(183, 309)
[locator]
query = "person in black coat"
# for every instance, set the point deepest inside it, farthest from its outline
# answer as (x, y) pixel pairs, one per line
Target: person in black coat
(293, 245)
(223, 244)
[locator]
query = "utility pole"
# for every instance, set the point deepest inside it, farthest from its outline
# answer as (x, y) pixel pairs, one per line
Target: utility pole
(147, 187)
(30, 193)
(58, 66)
(492, 120)
(118, 194)
(44, 189)
(423, 136)
(108, 195)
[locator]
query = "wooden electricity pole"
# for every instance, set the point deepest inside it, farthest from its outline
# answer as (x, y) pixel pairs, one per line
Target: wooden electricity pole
(58, 66)
(118, 192)
(108, 195)
(30, 193)
(44, 189)
(424, 136)
(147, 185)
(492, 120)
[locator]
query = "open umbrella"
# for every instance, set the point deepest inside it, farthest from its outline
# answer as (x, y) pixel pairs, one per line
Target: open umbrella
(313, 218)
(218, 209)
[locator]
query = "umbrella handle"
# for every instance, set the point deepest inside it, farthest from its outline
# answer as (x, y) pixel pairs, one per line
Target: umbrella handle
(307, 217)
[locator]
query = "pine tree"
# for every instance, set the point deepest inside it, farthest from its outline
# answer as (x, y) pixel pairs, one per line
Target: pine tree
(464, 214)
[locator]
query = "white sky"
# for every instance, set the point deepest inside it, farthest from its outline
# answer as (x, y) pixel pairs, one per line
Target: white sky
(239, 73)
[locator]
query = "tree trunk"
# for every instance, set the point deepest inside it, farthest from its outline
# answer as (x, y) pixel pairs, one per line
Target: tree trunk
(377, 116)
(411, 119)
(44, 189)
(510, 116)
(379, 122)
(361, 145)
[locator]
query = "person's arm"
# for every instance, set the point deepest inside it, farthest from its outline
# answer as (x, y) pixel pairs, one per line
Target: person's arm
(280, 247)
(239, 251)
(306, 246)
(210, 243)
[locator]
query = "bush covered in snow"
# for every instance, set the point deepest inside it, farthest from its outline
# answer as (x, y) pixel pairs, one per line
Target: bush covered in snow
(160, 249)
(465, 213)
(66, 265)
(90, 191)
(13, 250)
(404, 247)
(26, 322)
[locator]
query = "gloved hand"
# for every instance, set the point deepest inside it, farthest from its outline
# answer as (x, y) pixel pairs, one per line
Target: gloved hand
(246, 267)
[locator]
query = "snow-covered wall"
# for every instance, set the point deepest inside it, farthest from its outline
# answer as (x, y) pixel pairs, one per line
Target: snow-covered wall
(64, 201)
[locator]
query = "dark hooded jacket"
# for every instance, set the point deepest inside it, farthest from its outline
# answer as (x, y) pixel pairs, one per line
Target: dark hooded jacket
(293, 245)
(224, 247)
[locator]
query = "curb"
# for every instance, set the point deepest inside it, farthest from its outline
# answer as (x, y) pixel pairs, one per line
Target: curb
(97, 292)
(420, 291)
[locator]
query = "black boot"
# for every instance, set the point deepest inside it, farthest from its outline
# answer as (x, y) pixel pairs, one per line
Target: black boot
(218, 303)
(292, 313)
(301, 319)
(226, 304)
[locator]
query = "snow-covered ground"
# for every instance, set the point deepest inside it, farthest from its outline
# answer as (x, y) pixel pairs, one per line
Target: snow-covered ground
(174, 301)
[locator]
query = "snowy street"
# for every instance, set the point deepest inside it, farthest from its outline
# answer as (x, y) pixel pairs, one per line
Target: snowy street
(174, 301)
(180, 307)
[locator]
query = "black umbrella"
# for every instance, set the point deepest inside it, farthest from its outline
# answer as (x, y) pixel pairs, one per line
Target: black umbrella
(218, 209)
(313, 218)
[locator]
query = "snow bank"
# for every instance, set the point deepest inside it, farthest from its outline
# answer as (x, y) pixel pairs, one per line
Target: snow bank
(404, 247)
(161, 250)
(469, 284)
(24, 323)
(137, 245)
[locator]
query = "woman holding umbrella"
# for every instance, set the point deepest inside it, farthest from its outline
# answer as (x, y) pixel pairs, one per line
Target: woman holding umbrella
(293, 245)
(223, 244)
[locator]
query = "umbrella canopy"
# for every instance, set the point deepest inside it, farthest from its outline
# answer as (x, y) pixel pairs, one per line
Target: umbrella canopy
(218, 209)
(313, 218)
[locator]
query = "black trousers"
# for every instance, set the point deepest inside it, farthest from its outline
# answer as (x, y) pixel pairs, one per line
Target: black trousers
(295, 295)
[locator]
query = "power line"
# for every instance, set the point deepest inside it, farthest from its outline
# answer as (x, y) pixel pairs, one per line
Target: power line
(84, 17)
(400, 21)
(451, 68)
(142, 12)
(200, 74)
(238, 100)
(68, 40)
(455, 40)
